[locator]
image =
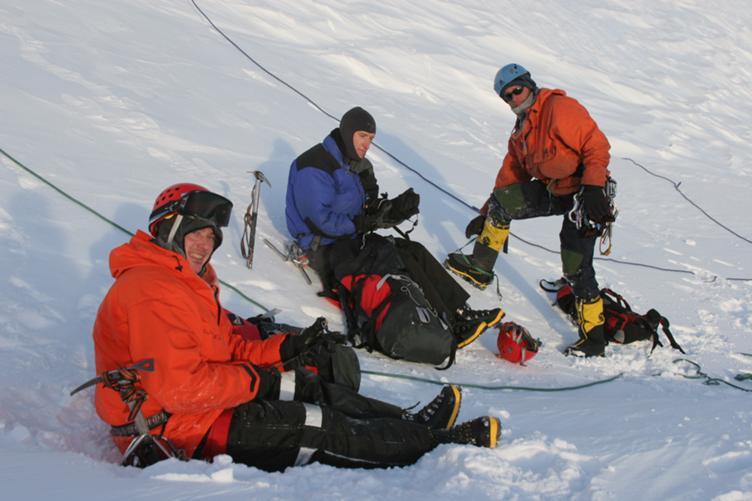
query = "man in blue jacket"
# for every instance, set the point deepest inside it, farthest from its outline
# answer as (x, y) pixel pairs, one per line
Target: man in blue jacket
(332, 198)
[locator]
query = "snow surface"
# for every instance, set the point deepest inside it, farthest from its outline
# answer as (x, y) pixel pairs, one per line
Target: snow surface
(112, 101)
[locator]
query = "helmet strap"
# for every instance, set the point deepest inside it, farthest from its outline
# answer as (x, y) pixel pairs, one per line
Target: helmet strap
(174, 229)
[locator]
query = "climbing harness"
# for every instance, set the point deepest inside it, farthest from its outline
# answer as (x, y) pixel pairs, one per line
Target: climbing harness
(589, 228)
(144, 449)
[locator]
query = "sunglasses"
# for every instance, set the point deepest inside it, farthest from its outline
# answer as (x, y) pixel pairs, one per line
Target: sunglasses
(508, 96)
(203, 204)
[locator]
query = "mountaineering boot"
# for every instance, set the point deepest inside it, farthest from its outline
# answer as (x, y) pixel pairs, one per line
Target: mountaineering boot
(478, 267)
(441, 413)
(482, 432)
(590, 319)
(469, 324)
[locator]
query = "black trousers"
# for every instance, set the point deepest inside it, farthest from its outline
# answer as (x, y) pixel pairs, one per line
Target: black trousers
(328, 423)
(532, 199)
(439, 287)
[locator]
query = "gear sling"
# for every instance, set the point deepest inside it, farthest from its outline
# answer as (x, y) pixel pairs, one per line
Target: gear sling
(144, 449)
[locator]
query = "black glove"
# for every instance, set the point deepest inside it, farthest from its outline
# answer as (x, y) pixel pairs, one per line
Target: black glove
(268, 383)
(596, 204)
(310, 336)
(365, 223)
(475, 226)
(295, 349)
(383, 213)
(404, 206)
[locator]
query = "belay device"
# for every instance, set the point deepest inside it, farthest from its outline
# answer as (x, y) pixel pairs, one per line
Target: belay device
(248, 239)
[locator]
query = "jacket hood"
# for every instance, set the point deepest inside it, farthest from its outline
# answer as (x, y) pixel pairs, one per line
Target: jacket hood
(543, 95)
(141, 251)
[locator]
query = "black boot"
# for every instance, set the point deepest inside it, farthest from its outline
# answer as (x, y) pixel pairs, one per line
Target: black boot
(469, 324)
(482, 432)
(476, 268)
(441, 413)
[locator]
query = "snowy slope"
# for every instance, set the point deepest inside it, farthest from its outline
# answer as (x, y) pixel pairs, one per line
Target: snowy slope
(112, 101)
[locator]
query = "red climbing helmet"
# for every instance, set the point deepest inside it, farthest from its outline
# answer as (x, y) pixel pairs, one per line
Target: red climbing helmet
(516, 344)
(192, 200)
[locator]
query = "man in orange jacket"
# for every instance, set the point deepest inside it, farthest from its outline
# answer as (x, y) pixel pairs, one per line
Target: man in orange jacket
(556, 151)
(212, 392)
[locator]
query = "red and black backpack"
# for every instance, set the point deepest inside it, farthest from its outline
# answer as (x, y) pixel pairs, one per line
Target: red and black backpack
(622, 324)
(384, 308)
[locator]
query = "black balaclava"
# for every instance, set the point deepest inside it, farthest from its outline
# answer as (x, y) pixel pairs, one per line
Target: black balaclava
(187, 225)
(354, 120)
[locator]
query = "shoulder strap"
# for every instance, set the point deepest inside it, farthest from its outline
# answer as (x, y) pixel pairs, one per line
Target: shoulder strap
(664, 323)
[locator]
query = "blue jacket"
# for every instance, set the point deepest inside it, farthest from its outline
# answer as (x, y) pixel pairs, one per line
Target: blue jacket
(323, 195)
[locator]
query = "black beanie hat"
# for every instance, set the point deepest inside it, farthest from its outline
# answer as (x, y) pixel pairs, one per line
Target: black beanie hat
(354, 120)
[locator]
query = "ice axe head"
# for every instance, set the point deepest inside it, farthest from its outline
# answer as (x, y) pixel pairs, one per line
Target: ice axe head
(261, 177)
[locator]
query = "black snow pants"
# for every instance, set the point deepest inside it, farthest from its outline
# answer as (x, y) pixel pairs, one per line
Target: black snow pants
(326, 423)
(532, 199)
(439, 287)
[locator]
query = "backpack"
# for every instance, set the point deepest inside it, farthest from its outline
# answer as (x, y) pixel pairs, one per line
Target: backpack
(622, 325)
(385, 309)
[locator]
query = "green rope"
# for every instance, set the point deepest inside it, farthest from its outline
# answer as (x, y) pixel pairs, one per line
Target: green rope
(708, 380)
(109, 221)
(489, 387)
(698, 375)
(69, 197)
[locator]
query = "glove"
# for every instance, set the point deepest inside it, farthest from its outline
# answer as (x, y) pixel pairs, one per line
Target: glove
(268, 383)
(310, 336)
(475, 226)
(365, 223)
(376, 216)
(596, 204)
(404, 206)
(296, 348)
(383, 213)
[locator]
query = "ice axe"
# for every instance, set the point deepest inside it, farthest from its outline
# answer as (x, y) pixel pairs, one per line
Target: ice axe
(248, 239)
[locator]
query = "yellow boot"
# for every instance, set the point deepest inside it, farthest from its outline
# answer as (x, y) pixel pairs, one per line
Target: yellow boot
(590, 319)
(478, 267)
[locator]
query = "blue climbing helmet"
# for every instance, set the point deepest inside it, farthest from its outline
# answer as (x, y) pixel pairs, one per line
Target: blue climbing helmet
(508, 74)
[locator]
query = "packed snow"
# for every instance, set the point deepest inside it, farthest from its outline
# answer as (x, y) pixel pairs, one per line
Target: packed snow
(109, 102)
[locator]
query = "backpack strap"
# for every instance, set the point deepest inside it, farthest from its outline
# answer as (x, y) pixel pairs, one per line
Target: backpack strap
(354, 334)
(615, 297)
(664, 323)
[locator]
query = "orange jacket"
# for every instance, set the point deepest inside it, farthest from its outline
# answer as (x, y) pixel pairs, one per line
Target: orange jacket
(555, 138)
(159, 308)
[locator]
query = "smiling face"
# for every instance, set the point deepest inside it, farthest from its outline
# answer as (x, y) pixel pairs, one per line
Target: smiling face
(362, 141)
(199, 246)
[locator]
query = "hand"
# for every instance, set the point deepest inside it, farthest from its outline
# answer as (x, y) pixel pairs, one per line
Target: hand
(296, 349)
(475, 226)
(383, 213)
(365, 223)
(596, 204)
(310, 336)
(404, 206)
